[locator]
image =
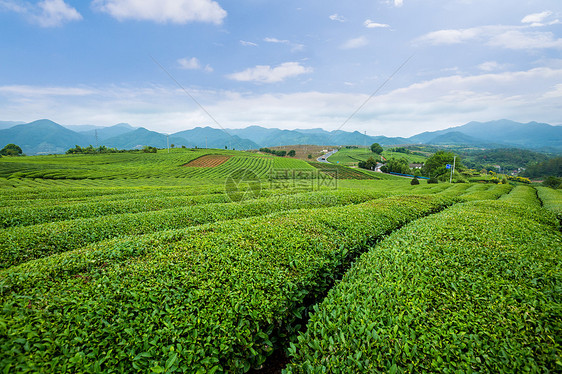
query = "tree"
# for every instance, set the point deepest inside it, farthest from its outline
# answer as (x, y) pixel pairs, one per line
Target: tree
(436, 165)
(149, 149)
(376, 148)
(11, 150)
(396, 165)
(370, 164)
(552, 182)
(551, 167)
(291, 153)
(309, 156)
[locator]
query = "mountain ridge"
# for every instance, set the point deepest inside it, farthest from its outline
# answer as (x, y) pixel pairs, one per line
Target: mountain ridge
(45, 136)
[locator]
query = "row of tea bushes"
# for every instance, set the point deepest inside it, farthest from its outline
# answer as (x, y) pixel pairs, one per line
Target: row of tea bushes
(524, 195)
(21, 244)
(52, 196)
(33, 215)
(215, 298)
(490, 192)
(26, 216)
(551, 199)
(475, 288)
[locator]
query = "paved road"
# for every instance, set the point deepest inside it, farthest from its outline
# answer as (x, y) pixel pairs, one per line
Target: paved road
(324, 158)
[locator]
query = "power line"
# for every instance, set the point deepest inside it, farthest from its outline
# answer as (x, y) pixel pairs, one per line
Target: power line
(194, 100)
(371, 96)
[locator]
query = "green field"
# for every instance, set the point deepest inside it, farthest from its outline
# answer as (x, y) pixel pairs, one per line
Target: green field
(138, 262)
(141, 165)
(413, 159)
(351, 156)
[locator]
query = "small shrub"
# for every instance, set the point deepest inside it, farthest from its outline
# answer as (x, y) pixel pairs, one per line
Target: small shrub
(415, 181)
(432, 180)
(552, 182)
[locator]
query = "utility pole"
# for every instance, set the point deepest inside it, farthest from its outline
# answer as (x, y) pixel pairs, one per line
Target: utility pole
(453, 169)
(168, 141)
(96, 133)
(205, 142)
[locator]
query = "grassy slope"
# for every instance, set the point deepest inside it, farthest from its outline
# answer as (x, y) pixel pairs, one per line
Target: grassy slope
(123, 259)
(351, 156)
(475, 288)
(140, 165)
(411, 158)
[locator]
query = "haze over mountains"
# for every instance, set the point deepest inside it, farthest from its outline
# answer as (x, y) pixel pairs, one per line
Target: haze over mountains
(45, 137)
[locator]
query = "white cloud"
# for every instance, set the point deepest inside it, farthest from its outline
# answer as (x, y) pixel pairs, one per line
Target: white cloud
(536, 17)
(508, 37)
(193, 64)
(55, 13)
(294, 46)
(298, 47)
(371, 25)
(31, 91)
(555, 92)
(337, 17)
(355, 43)
(515, 39)
(424, 106)
(267, 74)
(540, 19)
(163, 11)
(452, 36)
(491, 66)
(275, 40)
(396, 3)
(248, 44)
(12, 6)
(189, 63)
(46, 13)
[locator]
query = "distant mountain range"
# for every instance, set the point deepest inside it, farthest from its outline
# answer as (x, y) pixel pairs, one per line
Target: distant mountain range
(7, 124)
(45, 137)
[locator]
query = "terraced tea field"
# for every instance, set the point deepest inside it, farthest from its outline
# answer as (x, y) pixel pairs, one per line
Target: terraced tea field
(208, 161)
(130, 263)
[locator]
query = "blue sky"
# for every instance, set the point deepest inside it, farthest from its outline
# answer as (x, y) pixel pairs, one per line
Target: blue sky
(290, 64)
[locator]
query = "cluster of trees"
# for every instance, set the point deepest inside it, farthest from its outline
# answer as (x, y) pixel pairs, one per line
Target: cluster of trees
(90, 150)
(376, 148)
(280, 153)
(552, 182)
(11, 150)
(436, 165)
(552, 168)
(401, 150)
(507, 158)
(408, 151)
(396, 165)
(370, 164)
(149, 149)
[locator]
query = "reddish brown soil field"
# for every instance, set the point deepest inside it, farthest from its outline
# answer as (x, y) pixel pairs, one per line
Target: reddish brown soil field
(208, 161)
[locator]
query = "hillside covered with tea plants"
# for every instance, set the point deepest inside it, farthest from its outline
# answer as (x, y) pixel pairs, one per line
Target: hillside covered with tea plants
(213, 261)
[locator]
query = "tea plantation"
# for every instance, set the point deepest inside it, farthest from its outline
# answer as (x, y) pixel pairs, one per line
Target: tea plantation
(140, 263)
